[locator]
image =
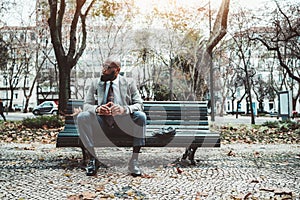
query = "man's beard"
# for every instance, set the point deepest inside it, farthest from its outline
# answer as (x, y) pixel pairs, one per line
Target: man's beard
(108, 77)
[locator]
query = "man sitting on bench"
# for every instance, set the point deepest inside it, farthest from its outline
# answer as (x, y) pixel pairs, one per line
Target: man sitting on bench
(119, 111)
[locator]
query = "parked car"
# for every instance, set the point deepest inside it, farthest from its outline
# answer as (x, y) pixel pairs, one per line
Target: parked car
(273, 112)
(47, 107)
(234, 112)
(17, 107)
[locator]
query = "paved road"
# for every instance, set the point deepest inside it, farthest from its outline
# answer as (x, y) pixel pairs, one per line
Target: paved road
(240, 171)
(220, 120)
(231, 119)
(16, 115)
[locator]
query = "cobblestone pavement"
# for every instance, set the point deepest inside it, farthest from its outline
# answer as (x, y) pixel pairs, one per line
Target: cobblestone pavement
(236, 171)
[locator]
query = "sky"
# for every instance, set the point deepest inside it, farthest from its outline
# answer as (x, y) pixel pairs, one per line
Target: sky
(145, 5)
(24, 11)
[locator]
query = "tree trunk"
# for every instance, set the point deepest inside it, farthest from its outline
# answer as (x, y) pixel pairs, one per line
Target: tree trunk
(10, 107)
(218, 32)
(67, 57)
(64, 86)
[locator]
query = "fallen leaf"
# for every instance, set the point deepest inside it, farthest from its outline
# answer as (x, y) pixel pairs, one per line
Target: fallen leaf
(62, 188)
(283, 192)
(73, 197)
(267, 189)
(254, 181)
(238, 197)
(247, 195)
(147, 176)
(88, 195)
(256, 154)
(29, 148)
(201, 194)
(174, 176)
(130, 193)
(67, 174)
(100, 188)
(41, 158)
(83, 183)
(231, 153)
(179, 170)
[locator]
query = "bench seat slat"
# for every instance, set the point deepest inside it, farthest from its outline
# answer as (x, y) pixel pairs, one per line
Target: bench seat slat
(159, 125)
(186, 128)
(174, 107)
(178, 141)
(185, 103)
(177, 122)
(177, 117)
(174, 111)
(162, 120)
(179, 131)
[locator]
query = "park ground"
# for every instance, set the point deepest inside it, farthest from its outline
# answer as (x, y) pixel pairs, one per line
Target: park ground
(242, 168)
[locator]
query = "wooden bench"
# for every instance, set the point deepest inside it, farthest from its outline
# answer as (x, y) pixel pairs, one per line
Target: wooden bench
(188, 117)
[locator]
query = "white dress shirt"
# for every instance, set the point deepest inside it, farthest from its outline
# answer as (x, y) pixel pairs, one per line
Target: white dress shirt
(116, 89)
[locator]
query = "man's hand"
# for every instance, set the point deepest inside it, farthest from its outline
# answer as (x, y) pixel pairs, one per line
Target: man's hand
(104, 109)
(76, 111)
(110, 109)
(117, 110)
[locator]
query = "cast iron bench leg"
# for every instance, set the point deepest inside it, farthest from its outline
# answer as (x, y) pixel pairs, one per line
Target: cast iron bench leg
(85, 155)
(190, 154)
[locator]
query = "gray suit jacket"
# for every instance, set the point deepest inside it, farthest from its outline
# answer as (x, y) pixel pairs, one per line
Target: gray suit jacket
(130, 96)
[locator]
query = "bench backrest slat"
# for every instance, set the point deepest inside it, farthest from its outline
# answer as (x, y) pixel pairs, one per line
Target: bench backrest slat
(162, 112)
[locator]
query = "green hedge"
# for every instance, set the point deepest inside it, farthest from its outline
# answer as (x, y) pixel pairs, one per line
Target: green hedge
(42, 121)
(282, 125)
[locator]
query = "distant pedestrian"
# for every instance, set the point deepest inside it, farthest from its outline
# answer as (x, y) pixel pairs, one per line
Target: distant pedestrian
(2, 110)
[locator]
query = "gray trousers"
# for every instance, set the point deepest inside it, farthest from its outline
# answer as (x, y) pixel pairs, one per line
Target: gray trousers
(94, 131)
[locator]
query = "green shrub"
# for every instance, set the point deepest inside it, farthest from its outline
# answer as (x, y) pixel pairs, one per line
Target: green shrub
(271, 124)
(282, 125)
(43, 121)
(294, 125)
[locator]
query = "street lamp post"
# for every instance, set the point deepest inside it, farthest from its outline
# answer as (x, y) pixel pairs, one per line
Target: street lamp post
(6, 92)
(212, 98)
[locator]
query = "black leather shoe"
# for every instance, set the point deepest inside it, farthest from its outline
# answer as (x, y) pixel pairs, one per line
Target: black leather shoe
(134, 168)
(92, 167)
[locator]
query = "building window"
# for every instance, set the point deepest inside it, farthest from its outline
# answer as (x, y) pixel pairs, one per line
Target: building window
(97, 74)
(259, 77)
(32, 36)
(129, 74)
(5, 82)
(27, 82)
(280, 78)
(22, 36)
